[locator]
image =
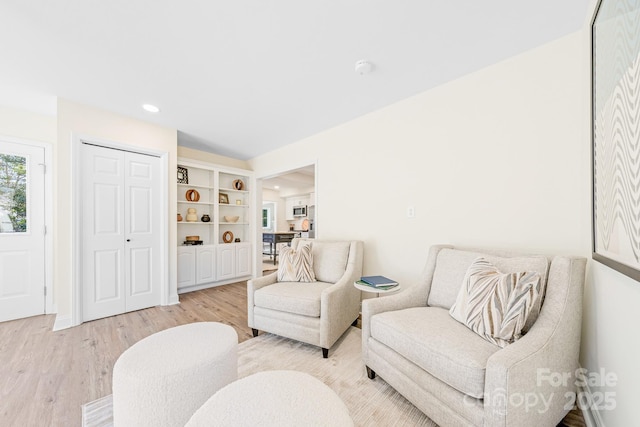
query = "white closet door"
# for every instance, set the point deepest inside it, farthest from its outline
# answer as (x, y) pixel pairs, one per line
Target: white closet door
(22, 239)
(142, 231)
(120, 235)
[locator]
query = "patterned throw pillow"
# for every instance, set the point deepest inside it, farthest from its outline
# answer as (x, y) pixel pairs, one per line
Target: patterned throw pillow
(296, 266)
(496, 305)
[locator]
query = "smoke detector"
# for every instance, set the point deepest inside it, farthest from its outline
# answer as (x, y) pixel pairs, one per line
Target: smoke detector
(363, 67)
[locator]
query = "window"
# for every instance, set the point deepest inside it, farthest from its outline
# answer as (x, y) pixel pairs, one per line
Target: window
(13, 194)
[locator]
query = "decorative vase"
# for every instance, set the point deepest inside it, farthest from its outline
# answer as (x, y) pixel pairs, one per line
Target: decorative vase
(179, 217)
(191, 215)
(205, 218)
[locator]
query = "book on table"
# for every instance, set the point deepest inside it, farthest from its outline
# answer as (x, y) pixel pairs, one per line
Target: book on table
(378, 282)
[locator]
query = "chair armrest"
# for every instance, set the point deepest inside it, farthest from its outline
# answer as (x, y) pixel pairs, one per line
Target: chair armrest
(340, 302)
(252, 286)
(541, 366)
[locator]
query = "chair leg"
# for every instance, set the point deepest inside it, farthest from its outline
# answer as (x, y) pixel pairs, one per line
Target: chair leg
(255, 332)
(371, 373)
(325, 353)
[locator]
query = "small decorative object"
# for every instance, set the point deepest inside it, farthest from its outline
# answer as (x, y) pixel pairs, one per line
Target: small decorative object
(223, 198)
(205, 218)
(238, 202)
(238, 184)
(231, 218)
(179, 217)
(237, 240)
(290, 227)
(183, 175)
(192, 195)
(192, 240)
(191, 215)
(227, 237)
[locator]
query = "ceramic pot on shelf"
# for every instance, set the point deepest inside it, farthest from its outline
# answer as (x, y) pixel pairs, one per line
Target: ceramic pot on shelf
(179, 217)
(191, 215)
(205, 218)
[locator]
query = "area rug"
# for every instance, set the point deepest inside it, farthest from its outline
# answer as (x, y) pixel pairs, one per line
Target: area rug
(370, 403)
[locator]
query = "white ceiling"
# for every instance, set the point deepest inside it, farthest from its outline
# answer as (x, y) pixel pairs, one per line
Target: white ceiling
(292, 183)
(240, 78)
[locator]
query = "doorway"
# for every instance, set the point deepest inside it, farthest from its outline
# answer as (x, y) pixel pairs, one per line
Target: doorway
(121, 231)
(279, 192)
(23, 236)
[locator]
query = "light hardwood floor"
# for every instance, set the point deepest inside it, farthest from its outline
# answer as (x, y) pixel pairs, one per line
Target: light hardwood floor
(46, 376)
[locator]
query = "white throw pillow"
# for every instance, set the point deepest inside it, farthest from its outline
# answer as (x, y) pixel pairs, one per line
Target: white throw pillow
(296, 265)
(496, 305)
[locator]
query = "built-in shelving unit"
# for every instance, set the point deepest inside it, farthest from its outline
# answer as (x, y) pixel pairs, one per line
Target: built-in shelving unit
(225, 254)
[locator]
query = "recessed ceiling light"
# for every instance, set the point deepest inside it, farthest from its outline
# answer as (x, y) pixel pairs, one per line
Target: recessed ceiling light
(276, 187)
(151, 108)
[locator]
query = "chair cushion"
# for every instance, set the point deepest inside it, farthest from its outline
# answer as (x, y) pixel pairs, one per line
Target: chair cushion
(296, 265)
(330, 260)
(495, 305)
(292, 297)
(452, 266)
(431, 339)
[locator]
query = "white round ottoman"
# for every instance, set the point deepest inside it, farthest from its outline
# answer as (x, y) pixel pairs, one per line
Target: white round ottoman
(273, 398)
(163, 379)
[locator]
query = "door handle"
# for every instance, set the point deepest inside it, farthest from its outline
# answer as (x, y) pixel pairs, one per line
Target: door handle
(128, 240)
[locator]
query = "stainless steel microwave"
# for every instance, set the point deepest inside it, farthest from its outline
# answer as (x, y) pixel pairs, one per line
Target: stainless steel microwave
(300, 210)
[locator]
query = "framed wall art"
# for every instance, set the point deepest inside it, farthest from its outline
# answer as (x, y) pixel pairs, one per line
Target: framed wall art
(183, 175)
(615, 135)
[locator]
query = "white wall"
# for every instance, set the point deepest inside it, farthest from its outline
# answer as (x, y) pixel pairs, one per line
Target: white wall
(203, 156)
(274, 196)
(496, 158)
(27, 125)
(499, 158)
(82, 120)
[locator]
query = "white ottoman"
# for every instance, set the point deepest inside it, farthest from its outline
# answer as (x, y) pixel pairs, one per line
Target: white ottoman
(273, 398)
(163, 379)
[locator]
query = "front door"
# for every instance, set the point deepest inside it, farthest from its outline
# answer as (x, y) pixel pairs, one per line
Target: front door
(120, 231)
(22, 232)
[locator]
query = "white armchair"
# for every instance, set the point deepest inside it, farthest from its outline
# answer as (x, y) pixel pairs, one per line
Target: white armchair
(319, 312)
(455, 376)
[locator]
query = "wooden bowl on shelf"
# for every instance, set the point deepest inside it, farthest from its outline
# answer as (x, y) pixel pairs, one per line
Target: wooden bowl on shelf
(231, 218)
(192, 238)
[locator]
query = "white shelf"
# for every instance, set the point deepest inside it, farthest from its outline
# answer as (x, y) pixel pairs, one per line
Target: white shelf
(195, 203)
(233, 223)
(232, 190)
(196, 222)
(196, 186)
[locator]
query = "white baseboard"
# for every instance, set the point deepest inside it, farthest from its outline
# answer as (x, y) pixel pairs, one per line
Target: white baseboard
(173, 300)
(62, 322)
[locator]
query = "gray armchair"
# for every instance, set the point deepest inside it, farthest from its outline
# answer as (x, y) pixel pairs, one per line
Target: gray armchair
(316, 313)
